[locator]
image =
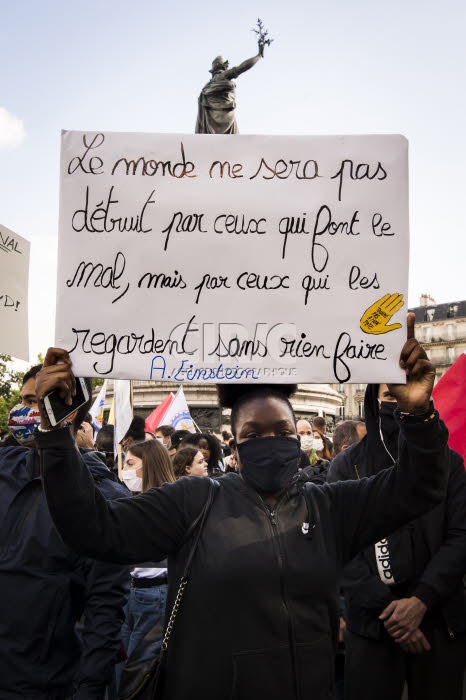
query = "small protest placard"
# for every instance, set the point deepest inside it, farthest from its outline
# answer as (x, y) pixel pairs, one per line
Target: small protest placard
(248, 258)
(14, 276)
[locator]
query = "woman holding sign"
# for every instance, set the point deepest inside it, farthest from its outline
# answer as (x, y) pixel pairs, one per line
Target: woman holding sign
(259, 617)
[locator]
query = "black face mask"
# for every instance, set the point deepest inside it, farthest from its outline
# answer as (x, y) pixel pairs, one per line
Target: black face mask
(269, 463)
(389, 426)
(387, 412)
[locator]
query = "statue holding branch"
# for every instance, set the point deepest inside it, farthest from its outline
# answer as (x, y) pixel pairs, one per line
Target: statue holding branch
(216, 104)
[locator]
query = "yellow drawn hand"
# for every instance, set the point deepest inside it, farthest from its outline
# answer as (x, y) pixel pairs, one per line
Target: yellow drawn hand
(375, 319)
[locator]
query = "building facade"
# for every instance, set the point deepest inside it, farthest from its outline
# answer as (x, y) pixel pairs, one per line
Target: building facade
(351, 401)
(441, 329)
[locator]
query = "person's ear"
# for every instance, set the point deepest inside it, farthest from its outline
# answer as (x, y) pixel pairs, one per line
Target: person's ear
(188, 470)
(72, 416)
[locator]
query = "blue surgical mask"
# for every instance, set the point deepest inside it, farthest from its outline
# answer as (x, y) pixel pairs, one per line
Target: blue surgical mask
(268, 464)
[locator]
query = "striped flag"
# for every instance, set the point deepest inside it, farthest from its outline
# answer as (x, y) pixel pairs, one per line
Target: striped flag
(97, 409)
(178, 414)
(153, 419)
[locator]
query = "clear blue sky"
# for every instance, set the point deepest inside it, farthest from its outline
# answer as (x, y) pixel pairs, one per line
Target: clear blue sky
(335, 67)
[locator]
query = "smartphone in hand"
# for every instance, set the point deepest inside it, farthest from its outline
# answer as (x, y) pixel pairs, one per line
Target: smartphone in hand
(57, 410)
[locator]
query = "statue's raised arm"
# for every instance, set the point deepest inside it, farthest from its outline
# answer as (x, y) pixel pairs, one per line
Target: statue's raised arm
(216, 104)
(230, 73)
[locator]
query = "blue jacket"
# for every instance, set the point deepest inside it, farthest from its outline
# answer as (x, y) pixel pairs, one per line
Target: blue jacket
(46, 588)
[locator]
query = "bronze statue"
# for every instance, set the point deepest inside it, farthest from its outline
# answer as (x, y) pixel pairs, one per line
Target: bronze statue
(216, 104)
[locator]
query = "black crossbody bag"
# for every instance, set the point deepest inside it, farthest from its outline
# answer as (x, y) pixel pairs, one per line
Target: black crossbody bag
(142, 679)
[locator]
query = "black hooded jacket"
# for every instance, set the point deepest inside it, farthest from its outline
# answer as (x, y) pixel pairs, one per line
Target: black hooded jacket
(425, 558)
(259, 615)
(46, 587)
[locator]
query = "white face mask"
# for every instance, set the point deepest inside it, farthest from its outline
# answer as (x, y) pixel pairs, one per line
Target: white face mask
(160, 440)
(307, 442)
(133, 482)
(318, 444)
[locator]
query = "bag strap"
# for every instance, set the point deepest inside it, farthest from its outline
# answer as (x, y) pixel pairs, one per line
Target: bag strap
(187, 569)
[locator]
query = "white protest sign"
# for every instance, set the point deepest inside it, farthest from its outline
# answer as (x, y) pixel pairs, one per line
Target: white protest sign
(233, 258)
(14, 276)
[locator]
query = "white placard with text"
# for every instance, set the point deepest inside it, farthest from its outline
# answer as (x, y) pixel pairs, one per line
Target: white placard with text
(213, 258)
(14, 277)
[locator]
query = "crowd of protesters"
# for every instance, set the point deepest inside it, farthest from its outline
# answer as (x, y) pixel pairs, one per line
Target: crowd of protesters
(368, 528)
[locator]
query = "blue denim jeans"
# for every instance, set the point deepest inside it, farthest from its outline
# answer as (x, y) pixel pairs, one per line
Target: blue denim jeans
(145, 607)
(143, 610)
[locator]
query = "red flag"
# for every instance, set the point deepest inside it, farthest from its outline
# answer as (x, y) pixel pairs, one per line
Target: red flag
(153, 420)
(449, 396)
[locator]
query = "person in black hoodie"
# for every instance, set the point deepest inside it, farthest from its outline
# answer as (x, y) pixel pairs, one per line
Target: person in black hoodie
(405, 603)
(259, 614)
(60, 613)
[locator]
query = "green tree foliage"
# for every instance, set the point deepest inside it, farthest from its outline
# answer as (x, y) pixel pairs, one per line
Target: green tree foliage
(9, 379)
(10, 383)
